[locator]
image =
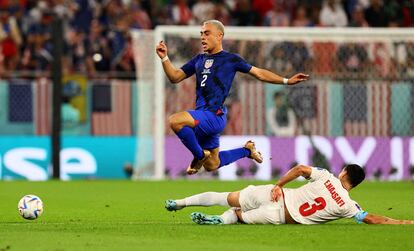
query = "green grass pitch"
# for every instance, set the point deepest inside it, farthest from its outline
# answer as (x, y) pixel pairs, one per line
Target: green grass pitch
(126, 215)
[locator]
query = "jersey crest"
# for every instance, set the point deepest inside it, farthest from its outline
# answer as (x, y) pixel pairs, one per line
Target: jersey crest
(208, 63)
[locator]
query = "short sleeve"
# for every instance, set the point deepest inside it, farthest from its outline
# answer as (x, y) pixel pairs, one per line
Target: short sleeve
(242, 65)
(318, 173)
(190, 67)
(353, 210)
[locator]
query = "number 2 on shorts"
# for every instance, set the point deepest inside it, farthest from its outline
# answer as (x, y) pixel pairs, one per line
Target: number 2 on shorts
(308, 209)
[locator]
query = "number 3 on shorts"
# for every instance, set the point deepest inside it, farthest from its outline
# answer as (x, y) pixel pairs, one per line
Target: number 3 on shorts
(203, 82)
(308, 209)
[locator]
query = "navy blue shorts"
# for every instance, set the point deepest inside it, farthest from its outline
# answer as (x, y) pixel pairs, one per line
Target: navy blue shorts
(208, 128)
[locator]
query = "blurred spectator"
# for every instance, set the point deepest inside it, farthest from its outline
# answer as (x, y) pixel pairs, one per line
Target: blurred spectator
(38, 51)
(314, 17)
(333, 14)
(277, 17)
(290, 5)
(181, 13)
(203, 10)
(280, 117)
(300, 18)
(298, 56)
(393, 13)
(77, 50)
(405, 60)
(252, 51)
(358, 18)
(10, 41)
(25, 26)
(243, 14)
(139, 18)
(352, 61)
(97, 49)
(83, 14)
(351, 5)
(222, 13)
(382, 60)
(375, 14)
(111, 11)
(278, 59)
(121, 46)
(408, 13)
(263, 7)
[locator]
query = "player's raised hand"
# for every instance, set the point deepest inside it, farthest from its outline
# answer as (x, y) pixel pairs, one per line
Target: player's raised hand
(297, 78)
(276, 193)
(161, 49)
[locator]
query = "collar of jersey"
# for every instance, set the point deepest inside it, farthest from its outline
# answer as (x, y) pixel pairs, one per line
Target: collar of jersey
(215, 54)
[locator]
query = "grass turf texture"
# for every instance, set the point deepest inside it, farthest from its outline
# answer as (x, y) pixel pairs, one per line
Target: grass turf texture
(125, 215)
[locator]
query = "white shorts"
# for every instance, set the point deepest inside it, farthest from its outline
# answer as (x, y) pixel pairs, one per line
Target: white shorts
(257, 207)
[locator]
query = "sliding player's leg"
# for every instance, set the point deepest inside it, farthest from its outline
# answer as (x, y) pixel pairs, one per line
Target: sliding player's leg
(249, 198)
(268, 213)
(203, 199)
(251, 205)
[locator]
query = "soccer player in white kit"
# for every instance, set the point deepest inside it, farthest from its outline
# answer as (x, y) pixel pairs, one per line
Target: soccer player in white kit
(324, 198)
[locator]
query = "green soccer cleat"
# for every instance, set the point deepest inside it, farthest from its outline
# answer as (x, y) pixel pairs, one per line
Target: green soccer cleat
(204, 219)
(171, 205)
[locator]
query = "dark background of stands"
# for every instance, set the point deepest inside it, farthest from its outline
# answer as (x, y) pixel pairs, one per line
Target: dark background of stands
(97, 42)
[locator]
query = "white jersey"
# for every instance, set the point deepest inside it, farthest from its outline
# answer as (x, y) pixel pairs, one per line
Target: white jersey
(322, 199)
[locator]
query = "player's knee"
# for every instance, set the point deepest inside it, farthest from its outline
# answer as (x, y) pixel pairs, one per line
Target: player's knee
(211, 165)
(174, 123)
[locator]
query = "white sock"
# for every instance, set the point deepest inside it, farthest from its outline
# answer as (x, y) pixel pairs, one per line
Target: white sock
(230, 216)
(204, 199)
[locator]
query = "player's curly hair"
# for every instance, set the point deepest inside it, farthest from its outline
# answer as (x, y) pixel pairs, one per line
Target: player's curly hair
(355, 173)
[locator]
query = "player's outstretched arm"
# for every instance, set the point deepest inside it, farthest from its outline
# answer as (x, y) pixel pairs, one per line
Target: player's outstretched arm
(379, 219)
(174, 75)
(270, 77)
(294, 173)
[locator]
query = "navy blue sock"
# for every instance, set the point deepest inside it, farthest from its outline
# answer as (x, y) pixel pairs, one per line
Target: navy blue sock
(227, 157)
(188, 137)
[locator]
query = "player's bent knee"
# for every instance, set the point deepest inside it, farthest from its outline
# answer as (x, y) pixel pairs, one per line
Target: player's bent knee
(211, 165)
(175, 123)
(172, 121)
(233, 199)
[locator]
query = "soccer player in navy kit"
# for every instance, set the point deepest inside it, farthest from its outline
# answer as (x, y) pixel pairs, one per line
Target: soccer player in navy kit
(200, 129)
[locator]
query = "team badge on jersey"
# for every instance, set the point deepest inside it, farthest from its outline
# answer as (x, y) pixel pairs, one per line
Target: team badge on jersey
(208, 63)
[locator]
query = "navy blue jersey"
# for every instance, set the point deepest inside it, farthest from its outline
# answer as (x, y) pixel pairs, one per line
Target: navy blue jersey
(214, 76)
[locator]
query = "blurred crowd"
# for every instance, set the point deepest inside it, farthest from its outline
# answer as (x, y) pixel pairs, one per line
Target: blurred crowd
(96, 31)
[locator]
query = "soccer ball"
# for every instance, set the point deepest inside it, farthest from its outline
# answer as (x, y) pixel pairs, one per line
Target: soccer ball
(30, 207)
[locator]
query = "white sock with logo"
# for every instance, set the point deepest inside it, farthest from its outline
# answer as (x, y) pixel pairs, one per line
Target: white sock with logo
(230, 216)
(204, 199)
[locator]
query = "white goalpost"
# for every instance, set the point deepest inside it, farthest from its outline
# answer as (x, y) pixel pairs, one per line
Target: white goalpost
(319, 48)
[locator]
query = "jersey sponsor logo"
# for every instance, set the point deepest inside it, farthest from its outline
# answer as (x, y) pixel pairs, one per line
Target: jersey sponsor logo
(334, 194)
(208, 63)
(206, 71)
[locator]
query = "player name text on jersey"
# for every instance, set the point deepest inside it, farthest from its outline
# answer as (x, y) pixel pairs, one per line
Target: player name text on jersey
(334, 194)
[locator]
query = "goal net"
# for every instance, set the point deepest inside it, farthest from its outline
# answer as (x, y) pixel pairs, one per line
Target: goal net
(360, 88)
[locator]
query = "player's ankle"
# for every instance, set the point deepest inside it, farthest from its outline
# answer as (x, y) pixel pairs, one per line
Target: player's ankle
(249, 152)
